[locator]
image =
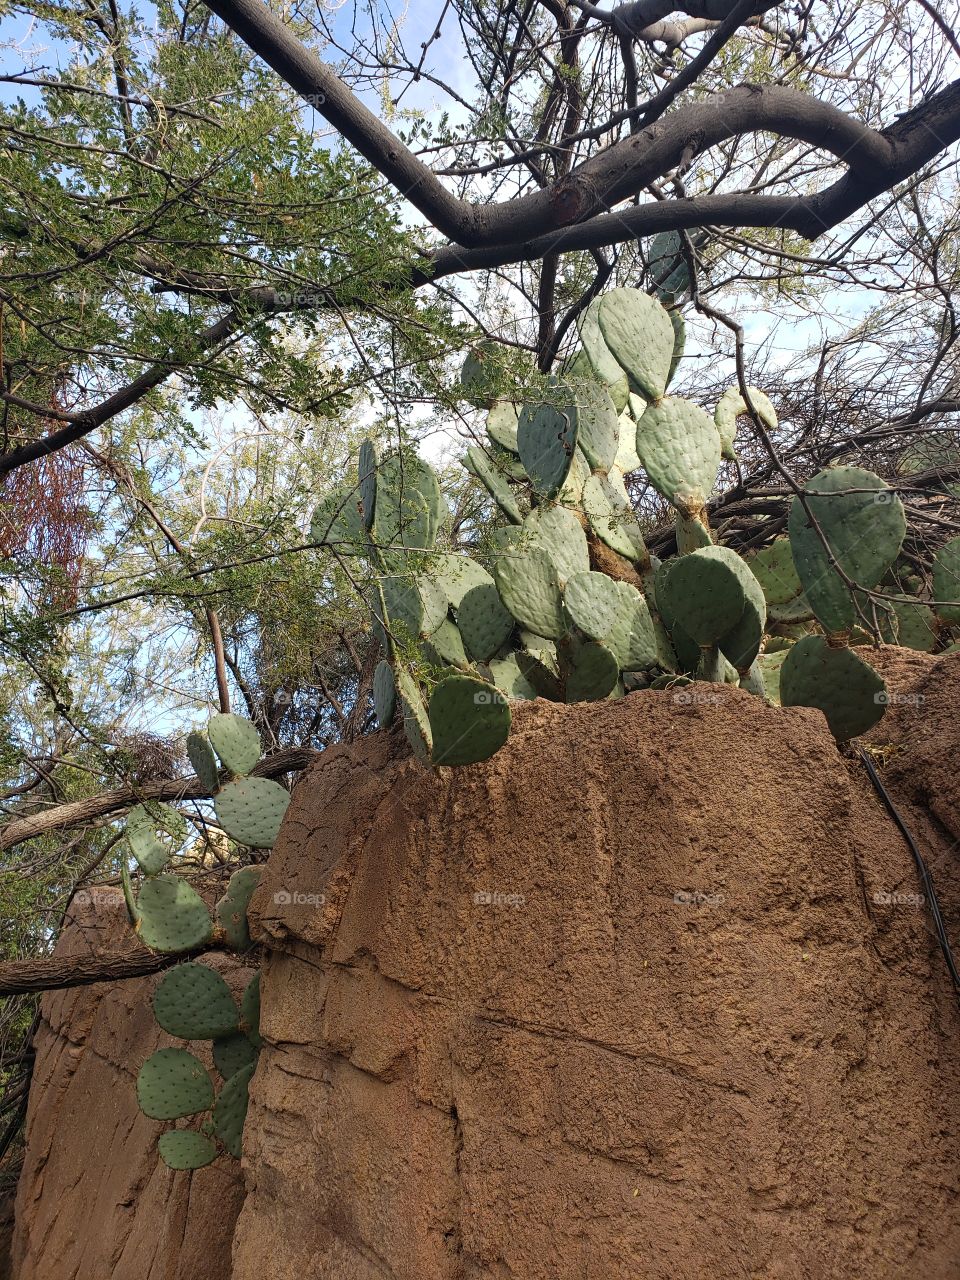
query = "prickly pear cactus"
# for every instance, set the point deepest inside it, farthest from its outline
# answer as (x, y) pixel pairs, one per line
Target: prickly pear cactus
(568, 603)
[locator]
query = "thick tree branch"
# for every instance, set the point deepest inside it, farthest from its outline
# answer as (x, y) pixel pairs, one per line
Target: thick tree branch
(55, 973)
(290, 760)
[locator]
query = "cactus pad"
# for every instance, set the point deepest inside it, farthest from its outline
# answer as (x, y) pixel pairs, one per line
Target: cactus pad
(598, 426)
(626, 459)
(593, 603)
(202, 760)
(416, 722)
(231, 912)
(679, 447)
(251, 810)
(547, 438)
(946, 581)
(494, 482)
(731, 406)
(774, 569)
(704, 593)
(591, 673)
(250, 1011)
(484, 622)
(445, 646)
(612, 518)
(230, 1110)
(510, 680)
(367, 469)
(530, 588)
(633, 638)
(455, 575)
(384, 694)
(232, 1053)
(845, 688)
(186, 1149)
(154, 832)
(470, 720)
(907, 622)
(172, 915)
(337, 519)
(864, 523)
(173, 1083)
(640, 338)
(409, 508)
(561, 535)
(502, 425)
(599, 358)
(193, 1002)
(236, 742)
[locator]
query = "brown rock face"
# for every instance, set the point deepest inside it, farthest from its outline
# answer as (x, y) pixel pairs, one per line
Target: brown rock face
(619, 1003)
(94, 1201)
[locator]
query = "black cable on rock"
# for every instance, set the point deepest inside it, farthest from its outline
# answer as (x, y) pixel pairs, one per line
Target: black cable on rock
(930, 893)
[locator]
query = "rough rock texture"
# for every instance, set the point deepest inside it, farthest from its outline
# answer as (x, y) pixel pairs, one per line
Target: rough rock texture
(634, 999)
(94, 1201)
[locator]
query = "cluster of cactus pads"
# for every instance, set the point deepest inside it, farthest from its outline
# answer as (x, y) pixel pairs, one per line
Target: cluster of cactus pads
(570, 605)
(192, 1001)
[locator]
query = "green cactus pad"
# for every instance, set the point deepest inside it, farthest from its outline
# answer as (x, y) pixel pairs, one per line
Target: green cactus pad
(416, 722)
(530, 588)
(230, 1110)
(470, 720)
(692, 535)
(415, 606)
(679, 342)
(494, 481)
(770, 666)
(704, 593)
(598, 426)
(367, 467)
(633, 639)
(445, 645)
(731, 406)
(571, 491)
(593, 603)
(863, 521)
(946, 581)
(502, 425)
(612, 518)
(560, 534)
(185, 1149)
(250, 1010)
(173, 1083)
(236, 742)
(455, 575)
(752, 680)
(599, 357)
(547, 438)
(193, 1002)
(680, 451)
(154, 833)
(795, 610)
(774, 569)
(541, 674)
(908, 623)
(640, 338)
(481, 374)
(338, 519)
(385, 693)
(232, 1053)
(627, 460)
(591, 673)
(742, 643)
(251, 811)
(484, 622)
(231, 912)
(845, 688)
(172, 915)
(667, 264)
(510, 680)
(202, 760)
(409, 508)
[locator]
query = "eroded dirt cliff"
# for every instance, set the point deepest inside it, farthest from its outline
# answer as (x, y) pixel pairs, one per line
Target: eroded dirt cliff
(648, 995)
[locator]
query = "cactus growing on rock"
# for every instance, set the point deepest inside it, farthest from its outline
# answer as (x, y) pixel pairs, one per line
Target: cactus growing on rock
(572, 606)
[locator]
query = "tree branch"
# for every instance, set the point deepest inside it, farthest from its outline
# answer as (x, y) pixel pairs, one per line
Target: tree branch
(56, 973)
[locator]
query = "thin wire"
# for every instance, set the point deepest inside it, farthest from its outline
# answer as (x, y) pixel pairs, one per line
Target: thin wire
(925, 878)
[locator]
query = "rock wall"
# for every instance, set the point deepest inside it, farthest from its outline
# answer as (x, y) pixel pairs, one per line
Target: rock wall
(94, 1200)
(645, 996)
